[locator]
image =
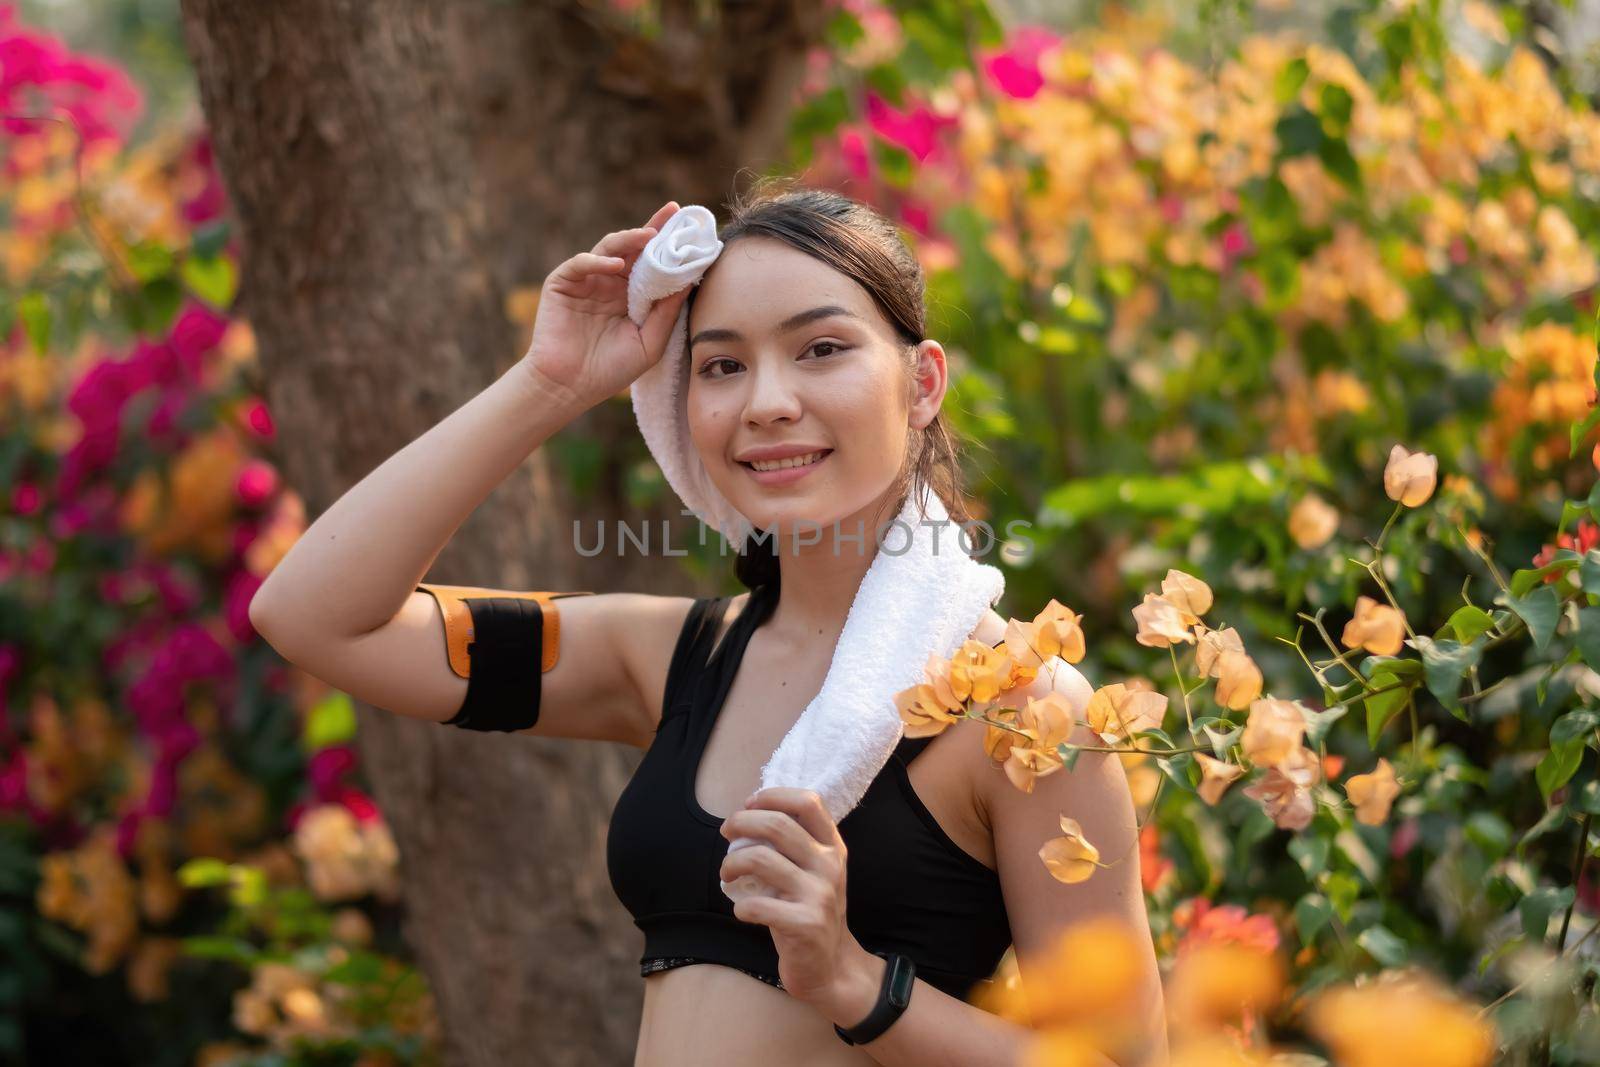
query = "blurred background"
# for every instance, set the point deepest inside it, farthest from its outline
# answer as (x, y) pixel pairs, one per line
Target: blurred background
(1199, 268)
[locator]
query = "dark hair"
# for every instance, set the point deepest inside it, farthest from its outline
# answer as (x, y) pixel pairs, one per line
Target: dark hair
(858, 241)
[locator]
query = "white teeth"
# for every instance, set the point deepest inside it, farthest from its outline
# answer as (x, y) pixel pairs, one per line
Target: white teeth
(784, 464)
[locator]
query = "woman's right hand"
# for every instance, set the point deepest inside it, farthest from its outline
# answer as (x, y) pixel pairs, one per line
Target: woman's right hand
(583, 341)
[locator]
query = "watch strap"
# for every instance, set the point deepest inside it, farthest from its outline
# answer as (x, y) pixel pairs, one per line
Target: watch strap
(894, 996)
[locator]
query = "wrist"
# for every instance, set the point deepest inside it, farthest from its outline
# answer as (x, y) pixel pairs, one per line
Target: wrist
(855, 988)
(547, 395)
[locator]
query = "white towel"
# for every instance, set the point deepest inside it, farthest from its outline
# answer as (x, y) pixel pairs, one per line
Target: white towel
(922, 595)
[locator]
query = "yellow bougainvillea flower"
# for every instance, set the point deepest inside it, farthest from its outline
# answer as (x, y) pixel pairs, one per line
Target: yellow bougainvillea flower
(1410, 477)
(1215, 777)
(1378, 628)
(931, 705)
(1210, 646)
(996, 739)
(1401, 1019)
(1273, 731)
(1373, 793)
(1312, 521)
(1238, 680)
(1116, 712)
(1188, 594)
(1218, 983)
(1040, 727)
(1161, 623)
(1285, 791)
(980, 673)
(1070, 858)
(1055, 631)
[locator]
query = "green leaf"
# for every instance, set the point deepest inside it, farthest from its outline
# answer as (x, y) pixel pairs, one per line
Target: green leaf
(205, 871)
(213, 280)
(1286, 86)
(1490, 832)
(1576, 724)
(1589, 571)
(1311, 853)
(34, 309)
(330, 721)
(1538, 906)
(1469, 621)
(1444, 664)
(1318, 723)
(1383, 707)
(1587, 638)
(233, 949)
(209, 240)
(1311, 913)
(1382, 945)
(1580, 430)
(1589, 797)
(1558, 766)
(1540, 609)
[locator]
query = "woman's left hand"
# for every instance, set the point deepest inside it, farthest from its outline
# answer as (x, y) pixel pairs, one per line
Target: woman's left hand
(802, 857)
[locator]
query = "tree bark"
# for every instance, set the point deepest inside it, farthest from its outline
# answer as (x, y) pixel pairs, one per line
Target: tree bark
(396, 168)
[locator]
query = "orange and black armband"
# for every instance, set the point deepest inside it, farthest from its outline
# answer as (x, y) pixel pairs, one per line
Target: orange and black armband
(501, 642)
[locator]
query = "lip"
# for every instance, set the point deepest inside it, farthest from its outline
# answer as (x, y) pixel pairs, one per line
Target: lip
(778, 452)
(788, 475)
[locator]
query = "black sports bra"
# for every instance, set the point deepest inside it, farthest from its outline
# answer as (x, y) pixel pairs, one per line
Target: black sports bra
(910, 888)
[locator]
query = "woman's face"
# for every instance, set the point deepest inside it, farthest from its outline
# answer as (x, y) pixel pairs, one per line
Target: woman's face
(787, 354)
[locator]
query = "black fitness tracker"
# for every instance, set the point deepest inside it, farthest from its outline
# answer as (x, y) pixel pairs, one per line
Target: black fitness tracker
(893, 997)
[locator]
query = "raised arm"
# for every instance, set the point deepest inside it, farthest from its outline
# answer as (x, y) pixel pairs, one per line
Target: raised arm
(344, 603)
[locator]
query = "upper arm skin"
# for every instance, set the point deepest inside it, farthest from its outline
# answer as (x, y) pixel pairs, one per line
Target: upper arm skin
(1094, 792)
(613, 650)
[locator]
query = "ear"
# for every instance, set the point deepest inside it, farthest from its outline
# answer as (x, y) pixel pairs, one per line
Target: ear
(930, 378)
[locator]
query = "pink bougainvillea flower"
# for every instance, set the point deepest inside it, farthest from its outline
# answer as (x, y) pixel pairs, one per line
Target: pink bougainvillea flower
(1202, 922)
(917, 129)
(1015, 70)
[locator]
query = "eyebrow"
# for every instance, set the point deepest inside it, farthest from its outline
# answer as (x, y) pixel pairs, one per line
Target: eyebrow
(793, 322)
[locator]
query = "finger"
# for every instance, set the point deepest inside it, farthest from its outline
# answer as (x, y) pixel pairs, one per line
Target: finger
(663, 213)
(586, 263)
(779, 830)
(807, 808)
(767, 864)
(624, 241)
(769, 911)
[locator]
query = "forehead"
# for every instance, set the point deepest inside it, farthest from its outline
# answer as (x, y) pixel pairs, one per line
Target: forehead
(758, 281)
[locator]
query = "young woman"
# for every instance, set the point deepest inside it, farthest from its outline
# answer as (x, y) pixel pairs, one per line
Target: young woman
(806, 340)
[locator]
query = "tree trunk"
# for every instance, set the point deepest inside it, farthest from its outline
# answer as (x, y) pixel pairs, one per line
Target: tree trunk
(395, 169)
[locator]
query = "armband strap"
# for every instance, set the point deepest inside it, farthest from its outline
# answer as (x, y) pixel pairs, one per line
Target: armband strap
(502, 642)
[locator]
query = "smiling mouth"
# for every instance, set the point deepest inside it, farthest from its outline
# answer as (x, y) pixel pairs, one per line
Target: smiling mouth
(767, 466)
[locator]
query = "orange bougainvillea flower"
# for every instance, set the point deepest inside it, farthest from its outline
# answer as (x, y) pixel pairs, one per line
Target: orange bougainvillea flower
(1405, 1018)
(1089, 976)
(1116, 712)
(1373, 793)
(930, 706)
(1217, 983)
(1055, 631)
(1040, 727)
(1378, 628)
(1312, 521)
(1161, 623)
(1273, 731)
(980, 673)
(1210, 646)
(1188, 594)
(1285, 791)
(1202, 922)
(1410, 477)
(1238, 680)
(1070, 858)
(1215, 777)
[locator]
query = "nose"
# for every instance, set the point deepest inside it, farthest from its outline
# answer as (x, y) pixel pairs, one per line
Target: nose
(772, 394)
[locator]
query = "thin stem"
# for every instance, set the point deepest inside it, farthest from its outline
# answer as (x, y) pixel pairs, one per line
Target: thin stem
(1316, 620)
(1393, 515)
(1178, 674)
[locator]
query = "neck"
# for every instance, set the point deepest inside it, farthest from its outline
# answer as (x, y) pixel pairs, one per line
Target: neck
(820, 580)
